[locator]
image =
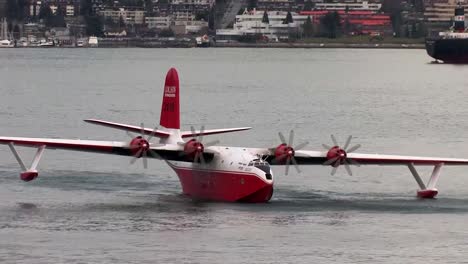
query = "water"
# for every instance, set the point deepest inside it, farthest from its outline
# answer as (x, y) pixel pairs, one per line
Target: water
(92, 208)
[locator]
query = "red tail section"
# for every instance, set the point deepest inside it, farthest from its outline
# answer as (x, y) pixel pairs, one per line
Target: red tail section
(170, 111)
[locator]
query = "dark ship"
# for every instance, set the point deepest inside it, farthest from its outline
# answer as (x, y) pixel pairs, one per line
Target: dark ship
(451, 46)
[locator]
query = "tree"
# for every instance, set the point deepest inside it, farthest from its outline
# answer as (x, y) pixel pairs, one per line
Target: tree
(94, 26)
(86, 8)
(252, 4)
(12, 10)
(211, 18)
(121, 23)
(331, 23)
(202, 15)
(166, 33)
(288, 19)
(59, 18)
(109, 23)
(308, 28)
(265, 18)
(308, 5)
(46, 15)
(149, 7)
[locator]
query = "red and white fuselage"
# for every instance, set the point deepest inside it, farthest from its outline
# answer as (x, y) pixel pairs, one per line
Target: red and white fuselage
(232, 175)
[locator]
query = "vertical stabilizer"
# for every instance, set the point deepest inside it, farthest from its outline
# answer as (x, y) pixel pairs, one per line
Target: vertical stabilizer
(170, 111)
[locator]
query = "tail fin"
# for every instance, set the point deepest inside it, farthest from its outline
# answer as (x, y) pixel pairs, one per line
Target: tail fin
(170, 111)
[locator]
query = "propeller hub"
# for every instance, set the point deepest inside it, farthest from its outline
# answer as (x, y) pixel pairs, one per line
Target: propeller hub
(283, 152)
(338, 154)
(138, 145)
(192, 147)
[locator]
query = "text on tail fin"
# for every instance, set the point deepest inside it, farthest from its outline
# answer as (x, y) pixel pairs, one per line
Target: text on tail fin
(170, 111)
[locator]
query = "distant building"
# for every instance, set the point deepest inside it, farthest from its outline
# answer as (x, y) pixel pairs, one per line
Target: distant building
(251, 23)
(188, 27)
(278, 5)
(189, 7)
(69, 7)
(358, 22)
(131, 17)
(440, 11)
(351, 6)
(158, 22)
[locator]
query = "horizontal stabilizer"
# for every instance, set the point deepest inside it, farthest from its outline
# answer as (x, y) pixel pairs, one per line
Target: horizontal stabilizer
(136, 129)
(186, 134)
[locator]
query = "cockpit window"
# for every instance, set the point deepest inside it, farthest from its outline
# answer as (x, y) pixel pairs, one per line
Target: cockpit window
(260, 164)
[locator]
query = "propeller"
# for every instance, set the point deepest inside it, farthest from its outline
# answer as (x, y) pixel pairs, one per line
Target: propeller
(195, 147)
(337, 156)
(140, 147)
(284, 153)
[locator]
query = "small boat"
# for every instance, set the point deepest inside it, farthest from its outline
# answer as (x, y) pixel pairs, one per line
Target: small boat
(80, 43)
(93, 42)
(203, 41)
(46, 43)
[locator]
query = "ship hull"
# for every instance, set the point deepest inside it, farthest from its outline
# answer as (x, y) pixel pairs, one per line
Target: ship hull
(448, 50)
(226, 186)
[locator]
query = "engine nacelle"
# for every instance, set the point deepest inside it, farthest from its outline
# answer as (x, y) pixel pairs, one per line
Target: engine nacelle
(192, 147)
(29, 175)
(338, 154)
(139, 145)
(282, 153)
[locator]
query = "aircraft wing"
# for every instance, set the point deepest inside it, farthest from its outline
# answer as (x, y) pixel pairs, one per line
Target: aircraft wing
(307, 157)
(167, 152)
(136, 129)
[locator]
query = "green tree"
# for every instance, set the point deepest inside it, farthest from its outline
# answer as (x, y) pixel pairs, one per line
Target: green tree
(202, 15)
(86, 8)
(12, 10)
(149, 7)
(94, 26)
(331, 23)
(121, 22)
(46, 15)
(59, 18)
(166, 33)
(308, 5)
(288, 19)
(211, 18)
(265, 18)
(308, 28)
(252, 4)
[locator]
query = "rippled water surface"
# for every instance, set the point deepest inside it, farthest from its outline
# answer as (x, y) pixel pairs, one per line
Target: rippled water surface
(92, 208)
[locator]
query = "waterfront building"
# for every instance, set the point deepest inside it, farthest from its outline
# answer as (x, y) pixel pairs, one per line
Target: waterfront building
(440, 12)
(69, 8)
(351, 6)
(131, 17)
(251, 23)
(162, 22)
(189, 26)
(189, 7)
(358, 22)
(279, 5)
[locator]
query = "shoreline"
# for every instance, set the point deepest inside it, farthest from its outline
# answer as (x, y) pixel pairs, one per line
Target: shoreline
(129, 43)
(323, 45)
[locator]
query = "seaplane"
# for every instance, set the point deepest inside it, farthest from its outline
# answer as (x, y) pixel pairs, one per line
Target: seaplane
(209, 171)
